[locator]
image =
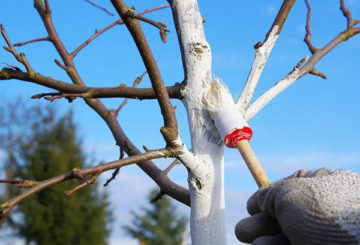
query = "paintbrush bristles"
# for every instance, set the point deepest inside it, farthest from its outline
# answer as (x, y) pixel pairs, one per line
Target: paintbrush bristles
(218, 97)
(221, 106)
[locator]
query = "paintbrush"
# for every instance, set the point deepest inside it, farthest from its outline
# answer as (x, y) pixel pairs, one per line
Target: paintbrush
(232, 127)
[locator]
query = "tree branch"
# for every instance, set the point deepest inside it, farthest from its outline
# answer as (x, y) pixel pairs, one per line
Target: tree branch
(31, 41)
(45, 14)
(100, 7)
(161, 26)
(301, 70)
(307, 38)
(118, 22)
(177, 192)
(88, 92)
(90, 181)
(347, 14)
(6, 207)
(136, 82)
(262, 52)
(170, 130)
(19, 57)
(270, 94)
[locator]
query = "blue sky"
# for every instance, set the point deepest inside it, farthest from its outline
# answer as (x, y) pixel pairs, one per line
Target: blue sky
(312, 124)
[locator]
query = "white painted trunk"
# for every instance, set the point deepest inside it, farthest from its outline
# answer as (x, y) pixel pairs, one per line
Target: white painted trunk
(206, 171)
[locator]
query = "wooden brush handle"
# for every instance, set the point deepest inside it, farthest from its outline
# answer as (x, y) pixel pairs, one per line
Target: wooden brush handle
(252, 162)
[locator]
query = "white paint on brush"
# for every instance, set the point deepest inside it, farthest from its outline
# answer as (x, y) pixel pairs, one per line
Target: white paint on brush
(222, 108)
(227, 119)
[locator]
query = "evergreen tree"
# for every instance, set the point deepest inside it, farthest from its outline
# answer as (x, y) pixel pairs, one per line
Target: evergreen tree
(49, 217)
(158, 225)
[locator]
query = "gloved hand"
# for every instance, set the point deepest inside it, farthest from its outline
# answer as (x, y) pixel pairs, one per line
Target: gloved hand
(309, 207)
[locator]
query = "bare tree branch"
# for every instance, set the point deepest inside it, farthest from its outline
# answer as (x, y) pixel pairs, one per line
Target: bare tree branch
(45, 14)
(161, 26)
(88, 92)
(270, 94)
(308, 67)
(347, 14)
(170, 130)
(262, 52)
(31, 41)
(90, 181)
(136, 82)
(100, 7)
(113, 176)
(118, 22)
(307, 39)
(177, 192)
(173, 164)
(6, 207)
(19, 57)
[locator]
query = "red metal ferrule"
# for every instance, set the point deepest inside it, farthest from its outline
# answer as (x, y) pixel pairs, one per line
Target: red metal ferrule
(236, 135)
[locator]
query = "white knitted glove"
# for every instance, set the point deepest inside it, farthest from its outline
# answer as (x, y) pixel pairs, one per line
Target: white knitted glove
(309, 207)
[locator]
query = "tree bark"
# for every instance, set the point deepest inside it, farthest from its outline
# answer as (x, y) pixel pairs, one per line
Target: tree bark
(206, 176)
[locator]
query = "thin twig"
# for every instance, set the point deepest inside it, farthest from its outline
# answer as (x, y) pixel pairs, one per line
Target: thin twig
(347, 14)
(19, 57)
(113, 176)
(97, 33)
(32, 41)
(307, 38)
(118, 22)
(12, 182)
(100, 7)
(54, 96)
(69, 97)
(39, 96)
(158, 196)
(60, 65)
(45, 14)
(136, 82)
(173, 164)
(11, 66)
(20, 183)
(317, 73)
(116, 171)
(161, 26)
(90, 181)
(157, 24)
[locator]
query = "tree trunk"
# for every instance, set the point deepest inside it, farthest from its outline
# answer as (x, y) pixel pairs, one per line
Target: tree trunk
(206, 176)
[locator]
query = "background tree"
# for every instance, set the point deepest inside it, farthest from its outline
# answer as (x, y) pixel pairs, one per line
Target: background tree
(50, 217)
(204, 160)
(158, 225)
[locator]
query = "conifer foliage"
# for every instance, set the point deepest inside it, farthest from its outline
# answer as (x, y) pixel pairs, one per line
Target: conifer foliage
(158, 225)
(49, 217)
